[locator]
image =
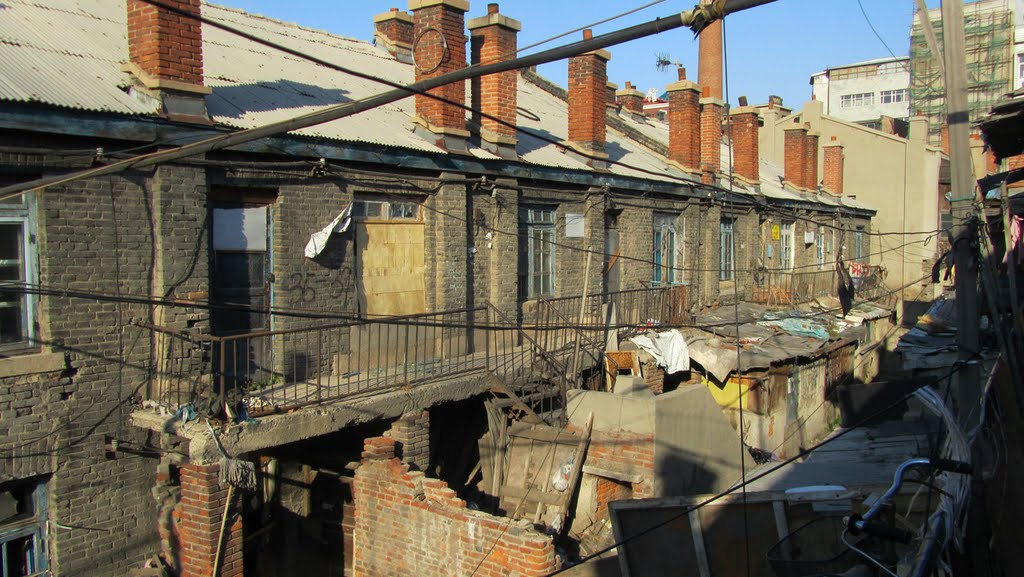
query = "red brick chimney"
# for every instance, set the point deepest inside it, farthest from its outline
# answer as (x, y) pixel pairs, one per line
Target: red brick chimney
(746, 155)
(684, 123)
(709, 57)
(630, 98)
(393, 32)
(439, 47)
(588, 82)
(610, 95)
(833, 169)
(810, 172)
(711, 110)
(165, 54)
(494, 39)
(794, 149)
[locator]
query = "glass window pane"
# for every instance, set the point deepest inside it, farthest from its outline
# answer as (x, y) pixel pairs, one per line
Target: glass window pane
(11, 323)
(10, 241)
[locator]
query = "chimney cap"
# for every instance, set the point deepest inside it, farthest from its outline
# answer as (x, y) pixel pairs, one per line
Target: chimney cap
(462, 5)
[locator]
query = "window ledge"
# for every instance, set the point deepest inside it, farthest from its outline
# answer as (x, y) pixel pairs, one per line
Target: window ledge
(32, 364)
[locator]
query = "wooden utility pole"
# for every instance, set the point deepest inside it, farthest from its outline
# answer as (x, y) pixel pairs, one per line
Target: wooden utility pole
(967, 378)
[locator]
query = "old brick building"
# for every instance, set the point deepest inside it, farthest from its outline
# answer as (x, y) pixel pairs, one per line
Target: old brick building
(186, 286)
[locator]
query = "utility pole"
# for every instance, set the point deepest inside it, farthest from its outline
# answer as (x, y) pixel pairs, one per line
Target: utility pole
(967, 378)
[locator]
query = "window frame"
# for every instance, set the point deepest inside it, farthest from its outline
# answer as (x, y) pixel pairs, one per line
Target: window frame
(386, 211)
(819, 247)
(893, 96)
(534, 231)
(727, 227)
(787, 242)
(856, 100)
(24, 214)
(858, 244)
(662, 224)
(34, 526)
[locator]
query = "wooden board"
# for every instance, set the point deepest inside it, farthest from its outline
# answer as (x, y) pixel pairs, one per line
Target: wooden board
(390, 265)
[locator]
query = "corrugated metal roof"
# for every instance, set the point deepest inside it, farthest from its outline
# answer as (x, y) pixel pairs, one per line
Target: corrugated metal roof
(68, 53)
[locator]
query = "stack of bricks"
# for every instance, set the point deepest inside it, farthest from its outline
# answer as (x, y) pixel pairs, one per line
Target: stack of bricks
(407, 524)
(711, 110)
(198, 518)
(654, 377)
(440, 48)
(411, 434)
(631, 99)
(164, 44)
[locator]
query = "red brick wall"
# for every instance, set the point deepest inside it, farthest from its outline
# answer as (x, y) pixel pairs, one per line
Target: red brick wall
(710, 140)
(198, 519)
(407, 524)
(164, 44)
(609, 490)
(745, 146)
(625, 452)
(684, 127)
(833, 169)
(793, 165)
(449, 21)
(588, 82)
(496, 94)
(412, 439)
(654, 378)
(810, 172)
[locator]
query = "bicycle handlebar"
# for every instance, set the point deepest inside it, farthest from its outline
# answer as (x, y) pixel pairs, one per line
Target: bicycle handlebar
(858, 525)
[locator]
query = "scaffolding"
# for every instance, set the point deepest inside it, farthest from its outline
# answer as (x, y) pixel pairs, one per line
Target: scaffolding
(989, 39)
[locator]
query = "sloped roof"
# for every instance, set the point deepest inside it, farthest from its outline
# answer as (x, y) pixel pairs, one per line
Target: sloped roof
(69, 54)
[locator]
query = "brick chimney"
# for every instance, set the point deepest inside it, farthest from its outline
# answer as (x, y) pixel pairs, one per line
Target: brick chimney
(709, 57)
(684, 123)
(439, 47)
(610, 95)
(631, 99)
(833, 169)
(711, 110)
(494, 39)
(165, 55)
(746, 155)
(393, 32)
(810, 172)
(793, 165)
(588, 82)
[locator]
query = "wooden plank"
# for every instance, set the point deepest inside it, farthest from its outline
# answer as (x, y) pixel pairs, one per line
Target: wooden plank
(543, 434)
(535, 494)
(697, 533)
(577, 468)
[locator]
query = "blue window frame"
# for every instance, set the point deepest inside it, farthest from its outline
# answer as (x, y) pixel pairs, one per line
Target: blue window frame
(537, 252)
(727, 249)
(23, 528)
(667, 251)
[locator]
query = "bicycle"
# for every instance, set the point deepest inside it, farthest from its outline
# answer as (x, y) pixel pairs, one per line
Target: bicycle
(873, 536)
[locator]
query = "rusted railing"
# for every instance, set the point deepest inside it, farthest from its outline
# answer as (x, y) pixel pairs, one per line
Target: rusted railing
(585, 344)
(302, 366)
(774, 287)
(633, 309)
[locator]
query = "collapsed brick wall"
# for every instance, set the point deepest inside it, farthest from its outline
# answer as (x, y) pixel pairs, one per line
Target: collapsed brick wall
(407, 524)
(628, 456)
(609, 490)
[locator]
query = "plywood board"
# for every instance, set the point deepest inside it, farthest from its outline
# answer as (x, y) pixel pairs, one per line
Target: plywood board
(390, 265)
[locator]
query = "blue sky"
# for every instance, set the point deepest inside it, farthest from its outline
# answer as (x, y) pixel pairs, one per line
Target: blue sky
(772, 49)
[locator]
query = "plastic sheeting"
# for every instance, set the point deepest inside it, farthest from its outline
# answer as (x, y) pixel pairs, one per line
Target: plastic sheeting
(668, 349)
(318, 240)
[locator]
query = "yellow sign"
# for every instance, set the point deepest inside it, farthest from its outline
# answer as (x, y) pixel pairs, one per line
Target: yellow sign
(776, 232)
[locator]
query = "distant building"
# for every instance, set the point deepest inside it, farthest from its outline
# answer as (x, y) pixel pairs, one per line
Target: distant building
(865, 92)
(994, 60)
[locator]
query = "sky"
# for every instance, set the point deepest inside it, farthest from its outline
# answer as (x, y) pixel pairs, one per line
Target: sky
(771, 49)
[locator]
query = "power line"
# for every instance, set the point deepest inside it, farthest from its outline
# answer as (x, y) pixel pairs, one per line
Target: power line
(697, 19)
(801, 455)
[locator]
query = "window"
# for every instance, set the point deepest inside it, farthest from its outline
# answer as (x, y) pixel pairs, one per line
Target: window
(786, 251)
(22, 528)
(892, 67)
(667, 251)
(856, 100)
(858, 245)
(537, 269)
(1020, 70)
(727, 249)
(820, 247)
(893, 96)
(17, 268)
(379, 209)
